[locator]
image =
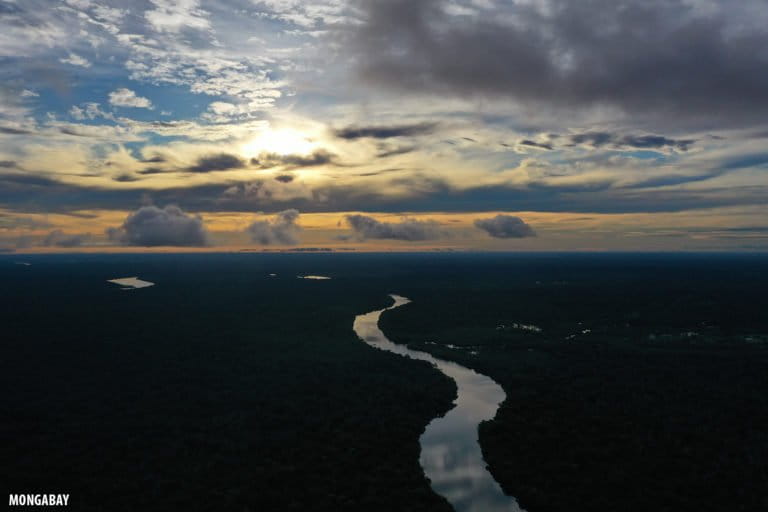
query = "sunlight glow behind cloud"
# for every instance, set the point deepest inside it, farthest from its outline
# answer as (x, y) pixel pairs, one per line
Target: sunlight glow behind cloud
(336, 107)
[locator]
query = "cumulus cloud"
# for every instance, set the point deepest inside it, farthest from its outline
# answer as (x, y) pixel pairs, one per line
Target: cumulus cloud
(57, 238)
(281, 229)
(75, 60)
(669, 58)
(385, 132)
(127, 98)
(410, 230)
(505, 226)
(89, 110)
(153, 226)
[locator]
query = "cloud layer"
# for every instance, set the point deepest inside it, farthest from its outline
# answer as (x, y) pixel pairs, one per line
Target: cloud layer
(228, 108)
(667, 57)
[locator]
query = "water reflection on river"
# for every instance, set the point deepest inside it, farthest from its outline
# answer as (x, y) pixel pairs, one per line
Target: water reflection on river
(450, 453)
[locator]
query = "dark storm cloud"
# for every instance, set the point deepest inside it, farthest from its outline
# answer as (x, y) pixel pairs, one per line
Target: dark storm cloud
(284, 178)
(152, 226)
(317, 157)
(666, 57)
(385, 132)
(218, 162)
(505, 226)
(281, 230)
(57, 238)
(7, 164)
(409, 230)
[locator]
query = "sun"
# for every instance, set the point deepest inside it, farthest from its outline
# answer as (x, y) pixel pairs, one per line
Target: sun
(283, 142)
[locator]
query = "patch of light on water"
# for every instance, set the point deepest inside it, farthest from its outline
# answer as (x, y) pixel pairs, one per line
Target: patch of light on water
(450, 453)
(319, 278)
(130, 283)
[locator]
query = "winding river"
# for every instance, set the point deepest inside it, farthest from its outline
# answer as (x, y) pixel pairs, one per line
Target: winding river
(450, 452)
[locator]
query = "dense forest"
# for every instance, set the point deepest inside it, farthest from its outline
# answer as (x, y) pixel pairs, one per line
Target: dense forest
(220, 388)
(633, 383)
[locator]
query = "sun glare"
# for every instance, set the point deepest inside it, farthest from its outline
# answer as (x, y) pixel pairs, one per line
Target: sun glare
(283, 142)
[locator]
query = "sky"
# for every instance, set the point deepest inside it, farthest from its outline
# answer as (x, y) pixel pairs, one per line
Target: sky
(510, 125)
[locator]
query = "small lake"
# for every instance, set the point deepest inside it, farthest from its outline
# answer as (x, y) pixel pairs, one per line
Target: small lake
(131, 283)
(450, 453)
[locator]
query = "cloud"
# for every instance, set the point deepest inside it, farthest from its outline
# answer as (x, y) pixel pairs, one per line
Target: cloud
(90, 110)
(409, 230)
(13, 222)
(666, 58)
(174, 15)
(57, 238)
(76, 60)
(125, 177)
(385, 132)
(127, 98)
(14, 131)
(394, 151)
(155, 159)
(505, 226)
(281, 230)
(318, 157)
(534, 144)
(598, 139)
(152, 226)
(218, 162)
